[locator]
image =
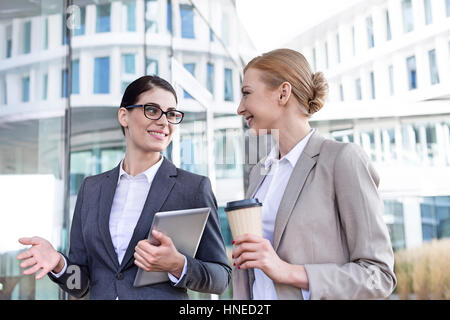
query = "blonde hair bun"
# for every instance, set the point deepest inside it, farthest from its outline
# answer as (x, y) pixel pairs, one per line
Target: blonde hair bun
(320, 91)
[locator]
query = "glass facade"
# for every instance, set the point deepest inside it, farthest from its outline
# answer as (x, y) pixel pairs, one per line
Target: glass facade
(82, 63)
(412, 72)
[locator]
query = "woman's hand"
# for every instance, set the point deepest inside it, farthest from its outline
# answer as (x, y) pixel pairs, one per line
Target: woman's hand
(41, 255)
(164, 257)
(252, 251)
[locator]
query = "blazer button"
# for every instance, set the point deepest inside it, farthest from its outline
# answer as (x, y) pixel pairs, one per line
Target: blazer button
(120, 276)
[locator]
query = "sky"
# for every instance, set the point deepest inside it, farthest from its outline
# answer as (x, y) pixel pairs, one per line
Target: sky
(272, 23)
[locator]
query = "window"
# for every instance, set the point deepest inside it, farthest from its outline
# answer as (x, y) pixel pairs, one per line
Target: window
(341, 92)
(412, 72)
(326, 55)
(64, 83)
(26, 89)
(5, 92)
(388, 27)
(210, 77)
(76, 76)
(169, 16)
(407, 12)
(391, 79)
(128, 69)
(434, 74)
(8, 41)
(44, 86)
(394, 210)
(101, 75)
(81, 22)
(187, 21)
(314, 55)
(64, 30)
(190, 67)
(353, 41)
(130, 9)
(370, 37)
(428, 14)
(358, 89)
(372, 84)
(211, 35)
(151, 16)
(447, 5)
(228, 96)
(45, 34)
(27, 37)
(103, 18)
(338, 48)
(128, 63)
(151, 66)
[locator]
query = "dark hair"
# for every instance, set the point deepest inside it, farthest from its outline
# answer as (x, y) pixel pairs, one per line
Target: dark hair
(141, 85)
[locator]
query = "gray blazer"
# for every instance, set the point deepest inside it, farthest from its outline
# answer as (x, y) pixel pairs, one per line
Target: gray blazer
(330, 220)
(91, 247)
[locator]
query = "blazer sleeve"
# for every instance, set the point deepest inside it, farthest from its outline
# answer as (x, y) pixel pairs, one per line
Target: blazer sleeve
(75, 280)
(370, 272)
(209, 271)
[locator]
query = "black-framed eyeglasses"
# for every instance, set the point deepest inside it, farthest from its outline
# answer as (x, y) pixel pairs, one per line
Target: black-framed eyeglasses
(153, 111)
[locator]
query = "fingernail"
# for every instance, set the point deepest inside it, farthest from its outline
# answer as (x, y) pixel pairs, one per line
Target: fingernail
(239, 267)
(232, 242)
(232, 256)
(234, 264)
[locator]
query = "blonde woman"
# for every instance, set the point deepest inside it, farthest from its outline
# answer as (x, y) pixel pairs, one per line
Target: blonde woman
(323, 230)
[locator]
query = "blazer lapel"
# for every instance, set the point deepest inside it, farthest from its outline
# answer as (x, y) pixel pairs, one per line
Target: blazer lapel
(161, 186)
(107, 191)
(295, 185)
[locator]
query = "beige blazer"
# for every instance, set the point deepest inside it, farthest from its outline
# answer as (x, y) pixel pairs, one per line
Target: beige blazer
(330, 220)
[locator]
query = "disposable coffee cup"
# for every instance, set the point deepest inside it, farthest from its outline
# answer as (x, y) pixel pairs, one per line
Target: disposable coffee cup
(244, 216)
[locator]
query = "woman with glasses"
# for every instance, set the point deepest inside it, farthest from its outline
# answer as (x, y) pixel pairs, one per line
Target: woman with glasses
(324, 236)
(115, 209)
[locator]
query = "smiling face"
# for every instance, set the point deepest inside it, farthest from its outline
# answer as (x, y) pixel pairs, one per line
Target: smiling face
(259, 104)
(142, 133)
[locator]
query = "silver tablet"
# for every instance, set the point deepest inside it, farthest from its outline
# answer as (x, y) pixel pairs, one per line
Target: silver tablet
(185, 228)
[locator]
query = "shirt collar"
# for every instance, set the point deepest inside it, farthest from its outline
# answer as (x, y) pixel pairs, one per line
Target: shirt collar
(292, 156)
(149, 173)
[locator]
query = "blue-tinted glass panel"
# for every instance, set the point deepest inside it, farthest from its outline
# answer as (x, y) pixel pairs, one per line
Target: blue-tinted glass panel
(46, 34)
(152, 67)
(75, 76)
(129, 63)
(26, 89)
(447, 6)
(370, 37)
(187, 21)
(408, 20)
(372, 84)
(412, 72)
(64, 83)
(101, 75)
(44, 86)
(388, 27)
(27, 37)
(169, 16)
(191, 68)
(434, 73)
(358, 91)
(81, 22)
(103, 18)
(428, 14)
(210, 77)
(228, 94)
(131, 16)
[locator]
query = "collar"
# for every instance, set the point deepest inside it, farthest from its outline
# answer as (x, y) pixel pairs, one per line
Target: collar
(292, 156)
(149, 173)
